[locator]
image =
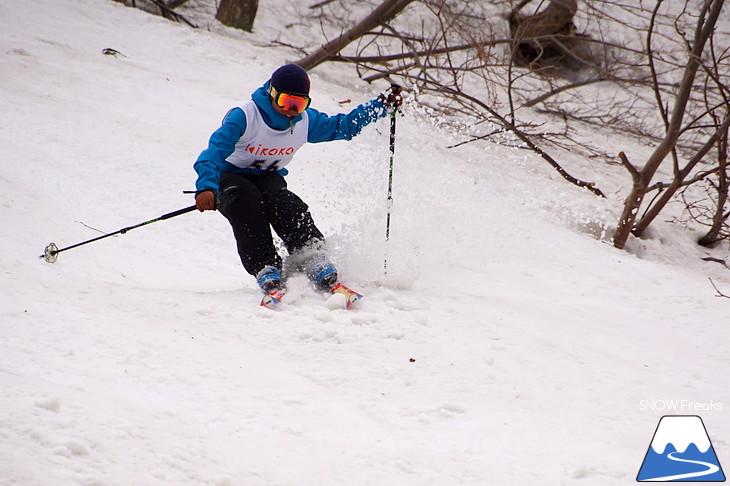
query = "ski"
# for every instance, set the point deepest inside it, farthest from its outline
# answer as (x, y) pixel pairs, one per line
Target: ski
(272, 299)
(350, 295)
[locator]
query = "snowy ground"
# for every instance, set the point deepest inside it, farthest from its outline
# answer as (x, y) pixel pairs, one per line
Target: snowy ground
(510, 344)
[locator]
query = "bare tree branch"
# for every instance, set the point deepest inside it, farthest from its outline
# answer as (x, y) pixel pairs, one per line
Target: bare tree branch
(524, 138)
(703, 31)
(321, 4)
(719, 294)
(385, 12)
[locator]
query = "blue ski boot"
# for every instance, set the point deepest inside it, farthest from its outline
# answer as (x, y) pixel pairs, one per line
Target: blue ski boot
(269, 279)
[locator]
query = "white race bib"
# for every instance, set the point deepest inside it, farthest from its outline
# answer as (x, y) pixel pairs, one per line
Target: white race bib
(262, 147)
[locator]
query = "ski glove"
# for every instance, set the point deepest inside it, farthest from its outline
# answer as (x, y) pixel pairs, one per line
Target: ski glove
(392, 97)
(206, 201)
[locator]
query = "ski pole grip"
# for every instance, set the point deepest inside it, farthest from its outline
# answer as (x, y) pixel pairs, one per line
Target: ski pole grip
(395, 94)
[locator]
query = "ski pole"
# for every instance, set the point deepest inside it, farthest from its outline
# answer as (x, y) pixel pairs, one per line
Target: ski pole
(51, 251)
(390, 183)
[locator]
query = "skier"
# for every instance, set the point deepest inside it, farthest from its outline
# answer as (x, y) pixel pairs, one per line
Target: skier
(241, 173)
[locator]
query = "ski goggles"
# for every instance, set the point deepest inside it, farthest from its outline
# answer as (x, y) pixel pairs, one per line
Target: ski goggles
(290, 101)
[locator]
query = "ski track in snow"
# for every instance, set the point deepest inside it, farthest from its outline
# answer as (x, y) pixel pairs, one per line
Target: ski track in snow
(509, 345)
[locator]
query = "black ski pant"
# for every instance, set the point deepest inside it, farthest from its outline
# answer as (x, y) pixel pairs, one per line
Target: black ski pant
(255, 203)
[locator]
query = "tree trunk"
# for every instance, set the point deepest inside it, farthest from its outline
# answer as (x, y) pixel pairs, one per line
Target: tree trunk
(383, 14)
(532, 45)
(238, 13)
(718, 221)
(680, 177)
(705, 27)
(557, 18)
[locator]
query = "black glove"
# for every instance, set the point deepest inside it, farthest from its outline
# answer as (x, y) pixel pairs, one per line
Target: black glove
(392, 97)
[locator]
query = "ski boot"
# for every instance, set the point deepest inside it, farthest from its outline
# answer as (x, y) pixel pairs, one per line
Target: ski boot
(324, 276)
(269, 279)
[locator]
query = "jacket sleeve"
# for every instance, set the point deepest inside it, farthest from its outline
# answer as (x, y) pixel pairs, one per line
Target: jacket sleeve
(221, 144)
(345, 126)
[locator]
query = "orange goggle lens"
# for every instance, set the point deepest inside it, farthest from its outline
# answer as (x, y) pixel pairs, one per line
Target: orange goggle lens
(289, 101)
(293, 102)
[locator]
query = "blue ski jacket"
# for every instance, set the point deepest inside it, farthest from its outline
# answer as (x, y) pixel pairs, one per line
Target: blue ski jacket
(322, 128)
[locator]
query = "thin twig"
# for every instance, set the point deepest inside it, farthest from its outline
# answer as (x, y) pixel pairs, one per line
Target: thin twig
(321, 4)
(719, 294)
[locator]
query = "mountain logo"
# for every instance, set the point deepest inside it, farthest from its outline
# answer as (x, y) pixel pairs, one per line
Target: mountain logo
(680, 451)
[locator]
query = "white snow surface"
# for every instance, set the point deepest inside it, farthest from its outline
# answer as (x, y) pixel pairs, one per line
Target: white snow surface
(510, 343)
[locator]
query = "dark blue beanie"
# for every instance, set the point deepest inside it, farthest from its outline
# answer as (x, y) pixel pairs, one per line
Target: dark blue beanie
(291, 79)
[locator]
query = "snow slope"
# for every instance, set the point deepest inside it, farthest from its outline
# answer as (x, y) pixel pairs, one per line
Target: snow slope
(510, 344)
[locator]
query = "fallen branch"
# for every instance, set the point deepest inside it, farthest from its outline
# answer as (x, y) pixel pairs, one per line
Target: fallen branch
(719, 294)
(716, 260)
